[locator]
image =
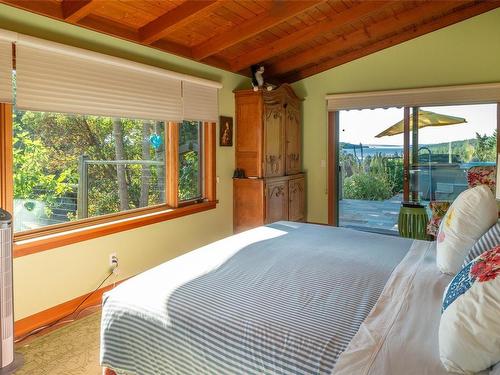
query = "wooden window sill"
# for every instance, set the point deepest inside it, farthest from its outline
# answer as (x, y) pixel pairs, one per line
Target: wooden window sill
(29, 246)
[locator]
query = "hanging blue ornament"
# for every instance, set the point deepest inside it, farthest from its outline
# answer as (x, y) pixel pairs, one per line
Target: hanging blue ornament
(155, 141)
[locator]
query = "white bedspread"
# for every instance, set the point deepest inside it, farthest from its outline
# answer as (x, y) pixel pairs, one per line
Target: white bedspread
(400, 335)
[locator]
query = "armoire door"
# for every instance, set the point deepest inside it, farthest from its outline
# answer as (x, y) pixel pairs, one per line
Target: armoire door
(249, 133)
(293, 136)
(276, 201)
(274, 131)
(296, 198)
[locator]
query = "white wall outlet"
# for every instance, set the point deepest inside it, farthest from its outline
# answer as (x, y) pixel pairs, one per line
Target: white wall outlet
(113, 260)
(323, 163)
(217, 179)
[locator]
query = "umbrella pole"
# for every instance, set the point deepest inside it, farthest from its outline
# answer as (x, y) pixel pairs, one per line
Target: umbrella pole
(414, 161)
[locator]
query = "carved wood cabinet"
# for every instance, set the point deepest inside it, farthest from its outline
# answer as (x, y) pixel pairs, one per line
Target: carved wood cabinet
(268, 149)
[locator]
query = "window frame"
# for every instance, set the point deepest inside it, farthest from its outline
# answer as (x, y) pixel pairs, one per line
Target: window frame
(201, 172)
(52, 236)
(333, 147)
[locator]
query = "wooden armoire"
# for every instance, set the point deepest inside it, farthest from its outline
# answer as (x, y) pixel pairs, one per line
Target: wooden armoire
(269, 150)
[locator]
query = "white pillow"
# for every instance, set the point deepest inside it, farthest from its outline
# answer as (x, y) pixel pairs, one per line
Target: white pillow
(469, 331)
(468, 218)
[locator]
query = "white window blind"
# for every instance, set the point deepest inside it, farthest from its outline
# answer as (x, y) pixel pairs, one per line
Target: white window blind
(200, 102)
(58, 78)
(5, 71)
(447, 95)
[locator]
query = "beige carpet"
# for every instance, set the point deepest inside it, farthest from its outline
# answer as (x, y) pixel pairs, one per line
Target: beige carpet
(70, 350)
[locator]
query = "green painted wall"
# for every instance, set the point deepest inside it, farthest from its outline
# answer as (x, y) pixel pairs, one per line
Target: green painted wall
(468, 52)
(464, 53)
(51, 277)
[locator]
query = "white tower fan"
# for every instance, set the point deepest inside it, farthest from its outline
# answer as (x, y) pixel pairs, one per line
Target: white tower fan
(8, 360)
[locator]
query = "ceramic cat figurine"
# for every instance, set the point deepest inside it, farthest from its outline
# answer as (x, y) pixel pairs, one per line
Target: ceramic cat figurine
(258, 78)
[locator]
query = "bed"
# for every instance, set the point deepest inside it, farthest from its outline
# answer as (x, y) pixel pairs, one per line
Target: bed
(287, 298)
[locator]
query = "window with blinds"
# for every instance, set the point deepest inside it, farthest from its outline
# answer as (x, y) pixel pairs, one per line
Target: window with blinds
(91, 134)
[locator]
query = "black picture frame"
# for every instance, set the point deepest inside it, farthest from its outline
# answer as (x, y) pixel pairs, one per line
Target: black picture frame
(225, 131)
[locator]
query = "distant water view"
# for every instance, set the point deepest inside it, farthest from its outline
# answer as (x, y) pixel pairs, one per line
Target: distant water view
(371, 150)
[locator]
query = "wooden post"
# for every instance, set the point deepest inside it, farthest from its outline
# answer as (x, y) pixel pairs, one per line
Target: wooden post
(6, 159)
(406, 155)
(209, 158)
(414, 148)
(82, 194)
(173, 164)
(333, 169)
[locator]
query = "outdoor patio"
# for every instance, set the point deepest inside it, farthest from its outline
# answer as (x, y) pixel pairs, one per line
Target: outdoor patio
(378, 216)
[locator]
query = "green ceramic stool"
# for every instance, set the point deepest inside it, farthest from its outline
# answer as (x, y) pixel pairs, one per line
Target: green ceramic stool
(412, 222)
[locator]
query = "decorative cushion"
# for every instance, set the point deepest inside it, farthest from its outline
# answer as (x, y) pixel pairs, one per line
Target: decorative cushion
(438, 210)
(470, 322)
(468, 218)
(490, 239)
(485, 175)
(480, 175)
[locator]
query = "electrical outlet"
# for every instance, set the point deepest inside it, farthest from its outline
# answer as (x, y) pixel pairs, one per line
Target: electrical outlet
(113, 260)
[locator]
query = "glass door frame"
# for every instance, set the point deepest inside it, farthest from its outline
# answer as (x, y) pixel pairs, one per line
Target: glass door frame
(333, 157)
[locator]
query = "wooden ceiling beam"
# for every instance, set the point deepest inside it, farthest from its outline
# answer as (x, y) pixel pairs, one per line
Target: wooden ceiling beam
(74, 10)
(334, 23)
(371, 32)
(175, 19)
(44, 7)
(279, 12)
(113, 28)
(109, 27)
(450, 19)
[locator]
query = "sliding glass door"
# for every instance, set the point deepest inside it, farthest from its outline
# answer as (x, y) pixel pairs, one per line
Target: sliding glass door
(370, 187)
(384, 160)
(449, 141)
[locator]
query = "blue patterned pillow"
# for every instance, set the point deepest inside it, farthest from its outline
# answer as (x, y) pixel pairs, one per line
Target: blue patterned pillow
(460, 284)
(489, 240)
(470, 319)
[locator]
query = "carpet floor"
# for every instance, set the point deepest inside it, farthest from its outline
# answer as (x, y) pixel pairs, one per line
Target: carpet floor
(69, 350)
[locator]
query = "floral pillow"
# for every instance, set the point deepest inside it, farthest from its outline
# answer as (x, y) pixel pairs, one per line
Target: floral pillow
(485, 175)
(468, 218)
(469, 339)
(438, 210)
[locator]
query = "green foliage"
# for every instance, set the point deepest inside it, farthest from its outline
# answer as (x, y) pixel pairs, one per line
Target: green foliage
(378, 177)
(368, 186)
(188, 176)
(33, 177)
(189, 160)
(480, 149)
(47, 147)
(485, 149)
(394, 171)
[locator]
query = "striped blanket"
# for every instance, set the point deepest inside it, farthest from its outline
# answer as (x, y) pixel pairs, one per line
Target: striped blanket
(282, 299)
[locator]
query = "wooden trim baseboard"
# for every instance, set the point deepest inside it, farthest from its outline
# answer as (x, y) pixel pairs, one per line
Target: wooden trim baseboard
(43, 318)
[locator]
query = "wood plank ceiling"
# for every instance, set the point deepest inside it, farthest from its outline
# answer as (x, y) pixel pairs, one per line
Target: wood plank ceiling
(294, 39)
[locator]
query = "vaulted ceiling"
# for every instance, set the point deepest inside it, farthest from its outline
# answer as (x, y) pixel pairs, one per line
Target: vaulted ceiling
(294, 39)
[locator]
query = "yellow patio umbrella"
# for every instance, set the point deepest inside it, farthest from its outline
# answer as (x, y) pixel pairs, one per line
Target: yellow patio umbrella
(425, 118)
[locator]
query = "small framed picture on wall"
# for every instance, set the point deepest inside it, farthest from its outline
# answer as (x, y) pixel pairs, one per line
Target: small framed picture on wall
(225, 131)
